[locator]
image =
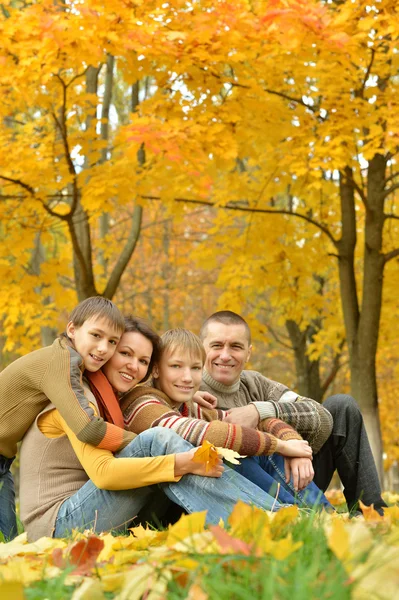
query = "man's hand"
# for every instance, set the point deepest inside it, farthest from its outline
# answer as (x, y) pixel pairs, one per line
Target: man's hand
(300, 470)
(246, 416)
(205, 399)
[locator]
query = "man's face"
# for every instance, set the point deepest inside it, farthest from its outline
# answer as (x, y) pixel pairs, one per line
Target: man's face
(95, 340)
(227, 350)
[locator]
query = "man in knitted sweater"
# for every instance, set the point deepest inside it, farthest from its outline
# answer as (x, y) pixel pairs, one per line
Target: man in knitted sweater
(250, 397)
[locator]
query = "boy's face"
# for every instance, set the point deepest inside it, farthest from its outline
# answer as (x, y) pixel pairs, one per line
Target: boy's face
(95, 340)
(179, 375)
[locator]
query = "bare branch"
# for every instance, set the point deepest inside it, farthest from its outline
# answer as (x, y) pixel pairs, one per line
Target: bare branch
(270, 211)
(391, 216)
(393, 187)
(126, 253)
(390, 255)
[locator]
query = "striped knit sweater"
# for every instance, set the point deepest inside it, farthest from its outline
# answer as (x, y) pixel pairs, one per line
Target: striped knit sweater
(146, 407)
(51, 374)
(273, 399)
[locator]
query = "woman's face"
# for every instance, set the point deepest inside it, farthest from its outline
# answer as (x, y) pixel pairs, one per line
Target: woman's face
(129, 364)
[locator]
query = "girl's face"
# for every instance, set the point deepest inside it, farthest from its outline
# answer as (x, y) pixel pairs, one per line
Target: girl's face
(178, 375)
(129, 364)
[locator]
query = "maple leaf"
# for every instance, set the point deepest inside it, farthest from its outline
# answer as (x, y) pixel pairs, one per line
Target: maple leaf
(186, 526)
(230, 455)
(82, 554)
(207, 454)
(370, 514)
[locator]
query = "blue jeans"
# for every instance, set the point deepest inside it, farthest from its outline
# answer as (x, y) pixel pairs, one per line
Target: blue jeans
(8, 521)
(267, 471)
(105, 510)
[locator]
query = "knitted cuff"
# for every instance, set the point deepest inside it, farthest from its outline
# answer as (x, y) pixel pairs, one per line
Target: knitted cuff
(266, 410)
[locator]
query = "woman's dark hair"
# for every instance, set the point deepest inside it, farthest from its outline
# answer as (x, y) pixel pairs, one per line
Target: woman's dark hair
(136, 324)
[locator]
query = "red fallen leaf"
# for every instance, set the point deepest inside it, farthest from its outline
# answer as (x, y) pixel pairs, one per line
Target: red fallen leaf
(229, 544)
(82, 555)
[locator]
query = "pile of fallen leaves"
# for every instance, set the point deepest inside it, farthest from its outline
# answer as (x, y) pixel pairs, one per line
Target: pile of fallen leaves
(273, 549)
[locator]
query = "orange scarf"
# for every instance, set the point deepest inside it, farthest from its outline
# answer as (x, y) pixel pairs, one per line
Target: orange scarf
(108, 404)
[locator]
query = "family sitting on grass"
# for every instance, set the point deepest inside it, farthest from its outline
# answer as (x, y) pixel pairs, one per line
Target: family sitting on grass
(100, 451)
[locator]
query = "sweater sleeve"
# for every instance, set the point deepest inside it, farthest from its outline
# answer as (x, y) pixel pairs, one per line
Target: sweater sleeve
(148, 411)
(103, 468)
(306, 416)
(62, 384)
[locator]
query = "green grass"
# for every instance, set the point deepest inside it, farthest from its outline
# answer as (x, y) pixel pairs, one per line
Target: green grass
(311, 572)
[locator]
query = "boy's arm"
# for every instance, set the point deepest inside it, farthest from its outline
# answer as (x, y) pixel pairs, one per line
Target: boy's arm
(62, 384)
(147, 411)
(101, 466)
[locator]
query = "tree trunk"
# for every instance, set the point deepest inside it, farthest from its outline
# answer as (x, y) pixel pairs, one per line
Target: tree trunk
(307, 371)
(362, 326)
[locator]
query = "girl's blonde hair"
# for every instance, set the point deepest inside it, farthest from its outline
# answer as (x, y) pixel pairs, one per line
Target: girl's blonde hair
(182, 339)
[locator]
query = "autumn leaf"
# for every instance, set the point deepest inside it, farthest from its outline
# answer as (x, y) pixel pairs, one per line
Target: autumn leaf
(12, 590)
(186, 526)
(230, 455)
(370, 514)
(207, 454)
(82, 554)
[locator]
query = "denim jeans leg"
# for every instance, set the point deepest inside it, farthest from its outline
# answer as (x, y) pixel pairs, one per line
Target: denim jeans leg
(105, 510)
(311, 496)
(193, 493)
(348, 450)
(8, 520)
(251, 469)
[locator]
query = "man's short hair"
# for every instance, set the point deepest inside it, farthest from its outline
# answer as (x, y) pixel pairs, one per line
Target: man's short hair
(227, 317)
(184, 340)
(99, 307)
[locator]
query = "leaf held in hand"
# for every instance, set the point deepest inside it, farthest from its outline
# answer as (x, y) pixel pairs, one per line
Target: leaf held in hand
(206, 454)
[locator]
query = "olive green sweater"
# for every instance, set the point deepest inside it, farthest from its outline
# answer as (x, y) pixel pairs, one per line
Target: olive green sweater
(52, 374)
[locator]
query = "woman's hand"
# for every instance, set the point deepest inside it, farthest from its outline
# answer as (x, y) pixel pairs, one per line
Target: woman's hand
(205, 399)
(294, 448)
(184, 464)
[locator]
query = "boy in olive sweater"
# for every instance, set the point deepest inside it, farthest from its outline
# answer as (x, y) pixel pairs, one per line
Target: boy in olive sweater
(54, 375)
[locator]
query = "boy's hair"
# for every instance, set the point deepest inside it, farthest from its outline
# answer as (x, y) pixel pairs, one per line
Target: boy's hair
(182, 339)
(99, 307)
(227, 317)
(135, 324)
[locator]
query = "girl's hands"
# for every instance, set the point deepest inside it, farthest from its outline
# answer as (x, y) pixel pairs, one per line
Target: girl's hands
(294, 448)
(184, 464)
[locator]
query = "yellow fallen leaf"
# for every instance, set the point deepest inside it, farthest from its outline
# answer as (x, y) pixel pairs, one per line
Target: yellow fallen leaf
(145, 579)
(186, 526)
(90, 589)
(230, 455)
(12, 590)
(108, 551)
(378, 577)
(370, 514)
(196, 593)
(207, 454)
(113, 582)
(338, 539)
(248, 522)
(283, 517)
(283, 548)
